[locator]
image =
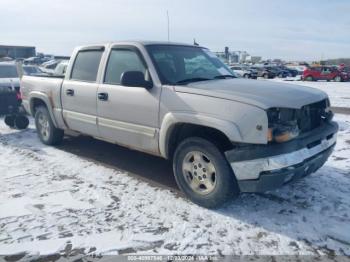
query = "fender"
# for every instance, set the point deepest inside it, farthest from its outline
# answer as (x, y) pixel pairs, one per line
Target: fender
(230, 129)
(43, 97)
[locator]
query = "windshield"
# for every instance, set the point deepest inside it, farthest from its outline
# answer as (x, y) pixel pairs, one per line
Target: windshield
(184, 64)
(8, 71)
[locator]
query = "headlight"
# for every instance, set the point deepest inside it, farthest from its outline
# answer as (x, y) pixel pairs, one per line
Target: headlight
(282, 133)
(283, 125)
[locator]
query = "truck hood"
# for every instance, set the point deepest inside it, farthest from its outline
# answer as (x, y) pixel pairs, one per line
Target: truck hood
(263, 94)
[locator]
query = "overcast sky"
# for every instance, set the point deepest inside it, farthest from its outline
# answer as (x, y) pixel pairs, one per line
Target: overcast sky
(287, 29)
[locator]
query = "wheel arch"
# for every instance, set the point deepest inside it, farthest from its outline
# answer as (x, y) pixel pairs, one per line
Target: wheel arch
(176, 127)
(39, 99)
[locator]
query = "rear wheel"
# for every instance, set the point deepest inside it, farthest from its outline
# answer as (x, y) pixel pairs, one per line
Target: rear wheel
(266, 76)
(203, 174)
(246, 76)
(47, 132)
(337, 79)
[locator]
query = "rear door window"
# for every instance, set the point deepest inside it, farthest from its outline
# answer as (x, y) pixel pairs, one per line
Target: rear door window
(86, 65)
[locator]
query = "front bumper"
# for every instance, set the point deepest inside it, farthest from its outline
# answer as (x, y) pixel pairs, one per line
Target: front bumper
(265, 167)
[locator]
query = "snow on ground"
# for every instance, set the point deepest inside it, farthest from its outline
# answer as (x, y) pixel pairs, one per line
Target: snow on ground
(338, 92)
(54, 202)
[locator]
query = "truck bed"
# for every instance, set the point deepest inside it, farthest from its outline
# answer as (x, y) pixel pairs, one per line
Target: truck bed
(38, 86)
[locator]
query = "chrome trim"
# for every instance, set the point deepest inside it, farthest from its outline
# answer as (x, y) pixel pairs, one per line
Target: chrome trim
(251, 169)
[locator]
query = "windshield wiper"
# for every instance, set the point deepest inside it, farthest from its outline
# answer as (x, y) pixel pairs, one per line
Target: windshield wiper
(189, 80)
(223, 76)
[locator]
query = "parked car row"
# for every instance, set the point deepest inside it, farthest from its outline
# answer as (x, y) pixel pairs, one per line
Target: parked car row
(264, 71)
(309, 73)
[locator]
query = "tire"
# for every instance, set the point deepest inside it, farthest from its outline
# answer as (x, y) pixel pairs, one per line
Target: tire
(10, 121)
(309, 78)
(21, 122)
(246, 76)
(193, 160)
(337, 79)
(266, 76)
(47, 132)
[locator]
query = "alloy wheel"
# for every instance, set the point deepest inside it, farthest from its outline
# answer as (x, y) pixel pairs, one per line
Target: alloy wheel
(199, 172)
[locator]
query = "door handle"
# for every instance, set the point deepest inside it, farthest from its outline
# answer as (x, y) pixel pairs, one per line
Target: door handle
(70, 92)
(102, 96)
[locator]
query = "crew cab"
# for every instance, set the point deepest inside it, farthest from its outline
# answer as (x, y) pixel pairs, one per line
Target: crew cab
(224, 135)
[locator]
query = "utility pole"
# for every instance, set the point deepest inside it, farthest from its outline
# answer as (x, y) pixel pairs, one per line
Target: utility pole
(168, 20)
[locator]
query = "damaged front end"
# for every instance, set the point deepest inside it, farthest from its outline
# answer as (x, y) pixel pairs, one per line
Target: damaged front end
(299, 142)
(286, 124)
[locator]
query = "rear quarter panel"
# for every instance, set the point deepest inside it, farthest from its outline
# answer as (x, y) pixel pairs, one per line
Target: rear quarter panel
(48, 90)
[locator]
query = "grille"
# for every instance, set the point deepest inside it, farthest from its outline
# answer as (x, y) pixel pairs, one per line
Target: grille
(311, 116)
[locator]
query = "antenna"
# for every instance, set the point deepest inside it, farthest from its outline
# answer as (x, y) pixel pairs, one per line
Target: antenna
(167, 15)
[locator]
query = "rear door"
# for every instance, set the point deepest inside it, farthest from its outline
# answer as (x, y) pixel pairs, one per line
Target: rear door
(79, 91)
(128, 115)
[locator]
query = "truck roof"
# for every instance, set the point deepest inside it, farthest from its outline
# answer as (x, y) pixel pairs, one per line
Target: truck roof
(137, 42)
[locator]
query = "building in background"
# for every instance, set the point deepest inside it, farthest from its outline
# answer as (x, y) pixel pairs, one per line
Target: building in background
(235, 57)
(16, 52)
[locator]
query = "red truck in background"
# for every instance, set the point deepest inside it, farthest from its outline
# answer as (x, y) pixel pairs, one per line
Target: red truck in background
(325, 73)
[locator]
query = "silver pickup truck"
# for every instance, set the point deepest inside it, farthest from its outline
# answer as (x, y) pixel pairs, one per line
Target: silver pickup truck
(224, 135)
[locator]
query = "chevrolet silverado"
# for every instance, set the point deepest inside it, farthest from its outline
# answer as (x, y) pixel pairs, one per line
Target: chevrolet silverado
(224, 135)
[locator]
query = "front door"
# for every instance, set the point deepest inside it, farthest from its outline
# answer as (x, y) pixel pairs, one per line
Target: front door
(127, 115)
(326, 73)
(79, 93)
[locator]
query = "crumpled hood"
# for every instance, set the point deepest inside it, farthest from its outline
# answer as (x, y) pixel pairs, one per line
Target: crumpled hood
(9, 82)
(263, 94)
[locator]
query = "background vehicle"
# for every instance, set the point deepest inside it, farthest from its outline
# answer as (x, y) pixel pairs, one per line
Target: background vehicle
(61, 68)
(264, 72)
(324, 73)
(290, 71)
(32, 61)
(224, 135)
(244, 71)
(32, 70)
(10, 97)
(8, 76)
(278, 71)
(49, 66)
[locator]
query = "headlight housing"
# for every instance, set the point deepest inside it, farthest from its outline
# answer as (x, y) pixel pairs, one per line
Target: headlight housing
(283, 125)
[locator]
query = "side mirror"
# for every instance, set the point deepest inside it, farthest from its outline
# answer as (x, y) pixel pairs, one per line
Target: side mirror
(136, 79)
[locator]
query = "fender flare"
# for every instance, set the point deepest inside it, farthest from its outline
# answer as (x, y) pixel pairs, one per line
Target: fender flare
(170, 120)
(43, 97)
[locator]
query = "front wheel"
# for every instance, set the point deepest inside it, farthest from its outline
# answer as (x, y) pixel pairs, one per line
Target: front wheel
(203, 174)
(47, 132)
(309, 78)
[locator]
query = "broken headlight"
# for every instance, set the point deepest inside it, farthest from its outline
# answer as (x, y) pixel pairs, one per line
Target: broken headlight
(283, 125)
